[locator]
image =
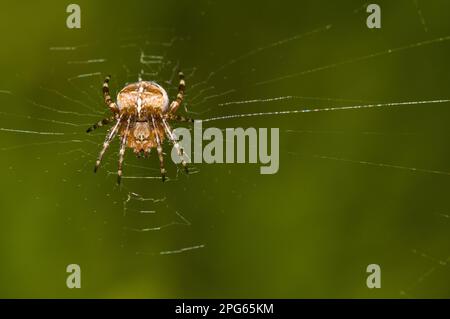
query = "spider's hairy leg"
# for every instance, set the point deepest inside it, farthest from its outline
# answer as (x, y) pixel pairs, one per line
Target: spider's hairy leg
(107, 97)
(123, 144)
(159, 150)
(112, 133)
(179, 118)
(100, 123)
(175, 143)
(181, 87)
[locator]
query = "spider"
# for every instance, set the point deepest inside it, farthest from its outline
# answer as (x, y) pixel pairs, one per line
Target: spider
(141, 116)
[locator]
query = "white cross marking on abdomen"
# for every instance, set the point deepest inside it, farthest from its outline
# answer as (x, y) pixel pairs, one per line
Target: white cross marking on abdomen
(139, 99)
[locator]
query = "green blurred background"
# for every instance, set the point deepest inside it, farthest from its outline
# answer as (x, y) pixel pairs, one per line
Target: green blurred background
(346, 194)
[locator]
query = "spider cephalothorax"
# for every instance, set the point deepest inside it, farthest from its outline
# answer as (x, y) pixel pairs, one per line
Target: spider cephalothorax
(141, 117)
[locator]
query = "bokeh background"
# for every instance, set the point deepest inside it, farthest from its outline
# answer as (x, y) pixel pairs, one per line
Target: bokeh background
(354, 187)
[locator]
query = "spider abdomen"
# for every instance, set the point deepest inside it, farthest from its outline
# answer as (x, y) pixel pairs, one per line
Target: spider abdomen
(142, 98)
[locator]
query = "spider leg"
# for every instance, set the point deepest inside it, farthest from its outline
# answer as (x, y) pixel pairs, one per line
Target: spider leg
(100, 123)
(123, 145)
(181, 87)
(109, 102)
(175, 143)
(179, 118)
(112, 133)
(159, 149)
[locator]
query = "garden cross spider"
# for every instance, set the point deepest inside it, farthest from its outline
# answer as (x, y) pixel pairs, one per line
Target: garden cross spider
(141, 117)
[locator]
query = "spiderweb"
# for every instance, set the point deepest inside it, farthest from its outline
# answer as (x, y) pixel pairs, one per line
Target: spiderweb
(145, 218)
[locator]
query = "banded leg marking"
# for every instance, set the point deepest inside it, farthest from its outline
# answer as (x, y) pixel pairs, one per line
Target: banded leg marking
(179, 118)
(174, 141)
(159, 150)
(108, 139)
(107, 97)
(123, 145)
(181, 88)
(100, 123)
